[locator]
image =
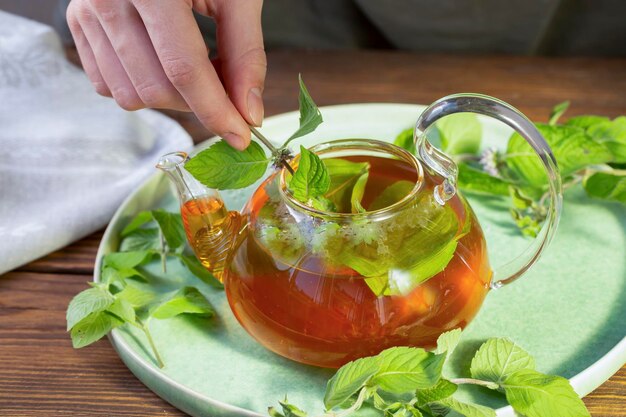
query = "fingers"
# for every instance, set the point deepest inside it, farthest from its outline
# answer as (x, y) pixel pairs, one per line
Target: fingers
(182, 54)
(128, 37)
(243, 58)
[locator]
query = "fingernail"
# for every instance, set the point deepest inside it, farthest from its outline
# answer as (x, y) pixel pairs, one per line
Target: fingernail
(255, 106)
(235, 141)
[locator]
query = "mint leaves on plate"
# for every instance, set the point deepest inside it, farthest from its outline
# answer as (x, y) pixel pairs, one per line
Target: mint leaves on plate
(409, 382)
(590, 150)
(124, 294)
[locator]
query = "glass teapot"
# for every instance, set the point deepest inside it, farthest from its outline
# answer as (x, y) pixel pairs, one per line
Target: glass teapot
(326, 288)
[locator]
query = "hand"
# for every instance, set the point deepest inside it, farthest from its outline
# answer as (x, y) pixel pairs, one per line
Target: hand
(147, 53)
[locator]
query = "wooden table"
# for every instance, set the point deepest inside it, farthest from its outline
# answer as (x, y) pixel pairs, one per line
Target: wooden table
(40, 373)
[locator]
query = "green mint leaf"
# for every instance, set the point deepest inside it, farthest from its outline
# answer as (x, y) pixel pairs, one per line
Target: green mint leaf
(392, 194)
(137, 295)
(403, 410)
(310, 116)
(92, 328)
(171, 226)
(349, 379)
(612, 135)
(123, 309)
(86, 302)
(343, 175)
(585, 122)
(195, 267)
(527, 214)
(534, 394)
(498, 358)
(111, 275)
(273, 412)
(188, 300)
(572, 147)
(460, 133)
(289, 410)
(557, 112)
(405, 369)
(127, 260)
(223, 167)
(135, 224)
(323, 204)
(468, 410)
(405, 140)
(474, 180)
(311, 177)
(606, 186)
(141, 239)
(357, 193)
(446, 342)
(442, 389)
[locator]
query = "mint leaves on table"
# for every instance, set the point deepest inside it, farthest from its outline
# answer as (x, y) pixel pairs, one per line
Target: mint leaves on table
(409, 382)
(590, 150)
(123, 296)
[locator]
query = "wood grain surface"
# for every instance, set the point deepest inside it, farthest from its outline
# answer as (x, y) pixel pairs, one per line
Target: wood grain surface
(40, 373)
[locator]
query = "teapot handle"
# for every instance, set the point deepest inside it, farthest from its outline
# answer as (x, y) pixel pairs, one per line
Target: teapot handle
(443, 165)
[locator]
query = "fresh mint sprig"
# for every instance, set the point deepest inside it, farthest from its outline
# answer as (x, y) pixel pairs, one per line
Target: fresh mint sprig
(123, 297)
(408, 382)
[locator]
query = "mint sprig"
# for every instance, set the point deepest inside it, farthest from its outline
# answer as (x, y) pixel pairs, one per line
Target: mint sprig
(408, 382)
(124, 297)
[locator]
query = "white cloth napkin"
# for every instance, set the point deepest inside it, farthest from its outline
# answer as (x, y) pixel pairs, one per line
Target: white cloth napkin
(68, 157)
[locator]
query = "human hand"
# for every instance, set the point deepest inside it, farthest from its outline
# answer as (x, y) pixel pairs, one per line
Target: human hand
(147, 53)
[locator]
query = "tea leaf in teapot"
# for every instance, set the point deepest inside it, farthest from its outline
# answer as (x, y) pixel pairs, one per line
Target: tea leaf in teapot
(310, 115)
(534, 394)
(350, 379)
(343, 175)
(444, 406)
(460, 133)
(188, 300)
(311, 177)
(223, 167)
(498, 358)
(572, 147)
(357, 193)
(405, 369)
(392, 194)
(606, 186)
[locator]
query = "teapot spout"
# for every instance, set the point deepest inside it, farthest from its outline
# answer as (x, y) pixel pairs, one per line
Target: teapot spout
(211, 229)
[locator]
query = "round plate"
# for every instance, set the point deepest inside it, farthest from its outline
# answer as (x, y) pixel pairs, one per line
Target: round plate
(568, 311)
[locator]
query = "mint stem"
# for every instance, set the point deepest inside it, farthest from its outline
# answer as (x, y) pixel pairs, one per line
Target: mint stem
(275, 152)
(163, 252)
(146, 331)
(488, 384)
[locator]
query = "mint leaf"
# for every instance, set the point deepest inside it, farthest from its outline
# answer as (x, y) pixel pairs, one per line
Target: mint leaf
(89, 301)
(171, 226)
(311, 177)
(185, 301)
(223, 167)
(557, 112)
(141, 239)
(460, 133)
(612, 135)
(392, 194)
(310, 116)
(474, 180)
(606, 186)
(123, 309)
(534, 394)
(343, 175)
(137, 295)
(139, 220)
(465, 409)
(92, 328)
(349, 379)
(405, 140)
(498, 358)
(357, 193)
(127, 260)
(442, 389)
(195, 267)
(446, 342)
(527, 214)
(405, 369)
(572, 147)
(586, 122)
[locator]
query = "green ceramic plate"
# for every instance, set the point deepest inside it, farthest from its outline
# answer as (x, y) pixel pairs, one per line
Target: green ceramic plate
(568, 311)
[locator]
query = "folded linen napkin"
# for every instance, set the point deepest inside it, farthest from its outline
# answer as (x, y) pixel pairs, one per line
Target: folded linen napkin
(68, 157)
